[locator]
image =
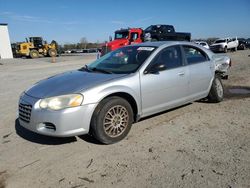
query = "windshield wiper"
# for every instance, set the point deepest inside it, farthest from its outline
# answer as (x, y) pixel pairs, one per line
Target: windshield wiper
(85, 68)
(101, 70)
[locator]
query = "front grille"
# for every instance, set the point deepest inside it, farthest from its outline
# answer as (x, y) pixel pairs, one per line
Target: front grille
(215, 48)
(25, 112)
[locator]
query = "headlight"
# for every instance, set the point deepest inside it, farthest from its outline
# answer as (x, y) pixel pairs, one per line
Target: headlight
(61, 102)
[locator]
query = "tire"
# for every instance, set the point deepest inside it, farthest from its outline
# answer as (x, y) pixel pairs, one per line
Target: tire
(225, 49)
(34, 54)
(52, 53)
(216, 93)
(106, 123)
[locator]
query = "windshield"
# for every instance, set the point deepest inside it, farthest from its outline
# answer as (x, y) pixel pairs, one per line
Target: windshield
(122, 61)
(121, 35)
(219, 41)
(149, 28)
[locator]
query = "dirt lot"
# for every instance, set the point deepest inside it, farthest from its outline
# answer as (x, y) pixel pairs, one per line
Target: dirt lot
(198, 145)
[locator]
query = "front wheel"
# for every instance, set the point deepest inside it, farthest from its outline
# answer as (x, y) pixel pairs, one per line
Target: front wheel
(112, 120)
(52, 53)
(216, 93)
(34, 54)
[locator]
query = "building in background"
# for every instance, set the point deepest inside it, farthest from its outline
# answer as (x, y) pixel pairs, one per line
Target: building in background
(5, 46)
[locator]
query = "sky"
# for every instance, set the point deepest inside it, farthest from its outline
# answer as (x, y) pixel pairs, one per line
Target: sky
(67, 21)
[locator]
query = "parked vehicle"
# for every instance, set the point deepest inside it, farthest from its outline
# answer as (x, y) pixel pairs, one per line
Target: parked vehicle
(74, 51)
(67, 51)
(165, 32)
(107, 96)
(34, 47)
(243, 44)
(223, 45)
(202, 43)
(124, 37)
(248, 43)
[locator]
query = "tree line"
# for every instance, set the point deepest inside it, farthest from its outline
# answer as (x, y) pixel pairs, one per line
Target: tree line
(82, 44)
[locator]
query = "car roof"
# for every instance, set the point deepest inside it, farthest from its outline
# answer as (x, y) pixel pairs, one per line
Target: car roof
(163, 43)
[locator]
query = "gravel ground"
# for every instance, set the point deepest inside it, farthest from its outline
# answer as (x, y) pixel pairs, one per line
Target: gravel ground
(197, 145)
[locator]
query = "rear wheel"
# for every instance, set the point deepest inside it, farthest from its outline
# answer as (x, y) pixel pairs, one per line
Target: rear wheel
(52, 53)
(112, 120)
(216, 93)
(34, 54)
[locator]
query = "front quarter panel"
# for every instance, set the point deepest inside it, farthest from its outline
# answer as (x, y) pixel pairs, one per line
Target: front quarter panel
(129, 84)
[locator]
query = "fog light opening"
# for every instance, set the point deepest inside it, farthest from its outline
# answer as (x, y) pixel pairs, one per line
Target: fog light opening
(50, 126)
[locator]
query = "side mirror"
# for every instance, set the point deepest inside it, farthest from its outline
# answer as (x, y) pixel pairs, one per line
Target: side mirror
(155, 69)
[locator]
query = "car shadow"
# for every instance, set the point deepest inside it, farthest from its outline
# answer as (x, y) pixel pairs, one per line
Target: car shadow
(90, 139)
(41, 139)
(231, 93)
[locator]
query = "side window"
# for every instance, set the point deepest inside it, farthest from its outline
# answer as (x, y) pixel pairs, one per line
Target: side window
(194, 55)
(168, 29)
(134, 36)
(170, 57)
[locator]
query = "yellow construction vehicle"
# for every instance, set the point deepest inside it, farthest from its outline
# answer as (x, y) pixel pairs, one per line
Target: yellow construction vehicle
(34, 47)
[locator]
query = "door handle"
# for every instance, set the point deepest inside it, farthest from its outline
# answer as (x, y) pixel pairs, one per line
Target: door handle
(181, 73)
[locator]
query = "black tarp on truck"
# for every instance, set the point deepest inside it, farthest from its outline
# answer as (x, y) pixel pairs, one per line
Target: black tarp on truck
(164, 32)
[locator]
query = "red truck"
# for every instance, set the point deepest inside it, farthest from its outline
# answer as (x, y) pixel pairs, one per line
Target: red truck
(123, 37)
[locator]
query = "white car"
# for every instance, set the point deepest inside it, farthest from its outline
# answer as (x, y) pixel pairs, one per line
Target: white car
(67, 52)
(202, 43)
(223, 45)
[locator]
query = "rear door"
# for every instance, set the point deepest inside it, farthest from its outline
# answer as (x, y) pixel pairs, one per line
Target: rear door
(200, 72)
(166, 88)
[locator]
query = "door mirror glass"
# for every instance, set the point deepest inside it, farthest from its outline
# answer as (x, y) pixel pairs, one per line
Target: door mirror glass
(155, 69)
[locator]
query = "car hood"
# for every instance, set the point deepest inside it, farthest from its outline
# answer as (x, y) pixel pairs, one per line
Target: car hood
(218, 44)
(68, 83)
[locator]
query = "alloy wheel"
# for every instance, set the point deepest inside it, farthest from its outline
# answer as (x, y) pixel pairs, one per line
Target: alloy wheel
(116, 121)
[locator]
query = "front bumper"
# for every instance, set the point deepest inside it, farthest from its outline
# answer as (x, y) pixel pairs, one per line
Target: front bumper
(62, 123)
(216, 48)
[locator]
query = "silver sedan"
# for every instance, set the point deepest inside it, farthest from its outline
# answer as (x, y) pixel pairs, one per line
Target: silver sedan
(107, 96)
